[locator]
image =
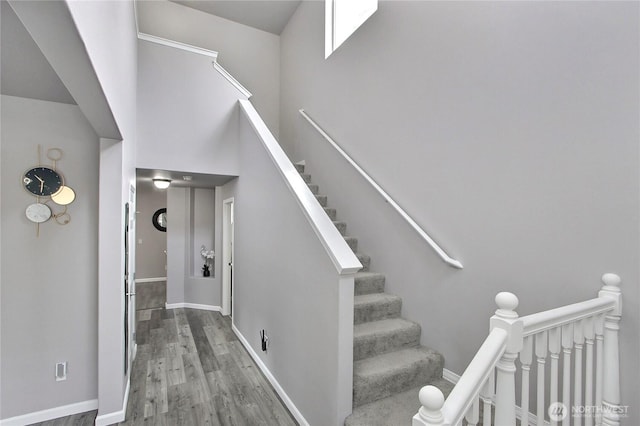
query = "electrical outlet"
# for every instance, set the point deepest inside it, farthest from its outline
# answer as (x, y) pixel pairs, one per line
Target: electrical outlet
(61, 371)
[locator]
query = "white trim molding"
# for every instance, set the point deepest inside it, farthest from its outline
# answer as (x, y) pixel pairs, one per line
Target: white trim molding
(150, 280)
(116, 416)
(193, 306)
(51, 413)
(265, 370)
(235, 83)
(177, 45)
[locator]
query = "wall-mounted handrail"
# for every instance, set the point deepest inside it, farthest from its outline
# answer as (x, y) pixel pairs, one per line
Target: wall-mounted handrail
(445, 257)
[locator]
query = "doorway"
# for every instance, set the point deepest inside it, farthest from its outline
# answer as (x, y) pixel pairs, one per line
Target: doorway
(227, 256)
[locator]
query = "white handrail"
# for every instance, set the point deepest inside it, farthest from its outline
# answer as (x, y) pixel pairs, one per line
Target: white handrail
(445, 257)
(576, 327)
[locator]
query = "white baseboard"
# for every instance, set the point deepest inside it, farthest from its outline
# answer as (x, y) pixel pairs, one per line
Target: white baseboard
(51, 413)
(150, 280)
(450, 376)
(193, 306)
(116, 416)
(283, 395)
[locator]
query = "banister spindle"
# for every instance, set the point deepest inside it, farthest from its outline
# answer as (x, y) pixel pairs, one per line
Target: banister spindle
(578, 340)
(507, 319)
(486, 395)
(541, 356)
(567, 344)
(599, 332)
(554, 350)
(611, 386)
(525, 361)
(588, 378)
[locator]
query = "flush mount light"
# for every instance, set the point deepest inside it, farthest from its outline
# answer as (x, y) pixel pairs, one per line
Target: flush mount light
(162, 183)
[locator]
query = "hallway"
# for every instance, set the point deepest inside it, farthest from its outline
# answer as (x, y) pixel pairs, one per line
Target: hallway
(191, 370)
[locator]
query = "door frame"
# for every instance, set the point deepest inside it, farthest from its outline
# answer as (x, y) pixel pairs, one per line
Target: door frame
(227, 255)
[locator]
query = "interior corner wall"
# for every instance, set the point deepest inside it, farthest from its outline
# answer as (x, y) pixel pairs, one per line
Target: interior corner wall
(508, 130)
(49, 290)
(151, 244)
(184, 284)
(252, 56)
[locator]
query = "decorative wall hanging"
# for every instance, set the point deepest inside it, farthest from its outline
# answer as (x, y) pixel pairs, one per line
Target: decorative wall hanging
(48, 186)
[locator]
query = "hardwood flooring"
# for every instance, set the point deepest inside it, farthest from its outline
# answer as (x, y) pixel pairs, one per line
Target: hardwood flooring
(191, 369)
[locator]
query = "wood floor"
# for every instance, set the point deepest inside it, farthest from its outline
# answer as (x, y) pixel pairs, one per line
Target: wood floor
(191, 369)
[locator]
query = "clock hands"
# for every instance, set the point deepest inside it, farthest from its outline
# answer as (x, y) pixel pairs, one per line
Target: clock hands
(41, 183)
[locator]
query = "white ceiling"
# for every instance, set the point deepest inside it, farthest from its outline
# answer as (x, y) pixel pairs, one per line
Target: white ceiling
(197, 180)
(267, 15)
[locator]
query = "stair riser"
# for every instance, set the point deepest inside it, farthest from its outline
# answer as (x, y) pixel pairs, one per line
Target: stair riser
(322, 199)
(314, 188)
(353, 243)
(306, 177)
(378, 311)
(370, 389)
(331, 213)
(365, 260)
(368, 285)
(299, 168)
(342, 227)
(371, 345)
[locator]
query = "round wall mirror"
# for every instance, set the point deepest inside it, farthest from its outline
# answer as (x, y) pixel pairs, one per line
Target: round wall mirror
(160, 220)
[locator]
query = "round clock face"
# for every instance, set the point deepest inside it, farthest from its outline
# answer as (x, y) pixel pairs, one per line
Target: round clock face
(42, 181)
(38, 212)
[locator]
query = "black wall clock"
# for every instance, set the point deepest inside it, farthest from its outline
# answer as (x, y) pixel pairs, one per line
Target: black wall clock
(42, 181)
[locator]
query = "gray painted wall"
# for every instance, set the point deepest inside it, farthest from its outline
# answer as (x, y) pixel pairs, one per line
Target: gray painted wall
(252, 56)
(284, 283)
(184, 284)
(509, 130)
(49, 297)
(151, 244)
(194, 109)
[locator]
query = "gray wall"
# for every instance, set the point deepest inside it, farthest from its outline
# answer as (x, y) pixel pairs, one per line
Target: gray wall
(151, 244)
(252, 56)
(509, 130)
(284, 283)
(185, 284)
(190, 123)
(49, 297)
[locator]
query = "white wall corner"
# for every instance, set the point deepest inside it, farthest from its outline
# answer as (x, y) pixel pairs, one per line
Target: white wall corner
(117, 416)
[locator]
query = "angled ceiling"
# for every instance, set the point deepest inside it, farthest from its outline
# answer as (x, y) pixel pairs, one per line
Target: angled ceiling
(25, 72)
(267, 15)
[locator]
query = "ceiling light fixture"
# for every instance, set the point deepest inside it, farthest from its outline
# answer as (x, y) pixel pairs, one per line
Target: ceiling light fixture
(162, 183)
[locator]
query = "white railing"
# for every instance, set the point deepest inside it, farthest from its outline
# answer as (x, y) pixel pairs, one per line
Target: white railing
(443, 255)
(588, 330)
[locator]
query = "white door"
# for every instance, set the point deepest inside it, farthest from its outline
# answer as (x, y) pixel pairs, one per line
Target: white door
(227, 256)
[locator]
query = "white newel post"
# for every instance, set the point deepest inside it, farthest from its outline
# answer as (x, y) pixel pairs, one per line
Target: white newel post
(430, 414)
(611, 408)
(507, 318)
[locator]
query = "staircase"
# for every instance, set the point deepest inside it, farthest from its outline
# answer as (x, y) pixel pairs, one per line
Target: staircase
(390, 365)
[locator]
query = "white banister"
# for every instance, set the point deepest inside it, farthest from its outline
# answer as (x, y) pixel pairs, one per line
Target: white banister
(572, 330)
(443, 255)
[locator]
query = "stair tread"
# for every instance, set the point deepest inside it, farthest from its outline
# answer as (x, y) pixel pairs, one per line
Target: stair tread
(395, 410)
(365, 299)
(383, 326)
(387, 362)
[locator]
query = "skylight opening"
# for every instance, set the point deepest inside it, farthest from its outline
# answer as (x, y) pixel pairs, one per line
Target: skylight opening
(343, 18)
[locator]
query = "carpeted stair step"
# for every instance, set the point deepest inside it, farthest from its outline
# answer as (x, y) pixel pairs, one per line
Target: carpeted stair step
(306, 177)
(387, 374)
(375, 307)
(352, 242)
(365, 260)
(314, 188)
(395, 410)
(322, 199)
(299, 168)
(331, 213)
(342, 227)
(378, 337)
(369, 282)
